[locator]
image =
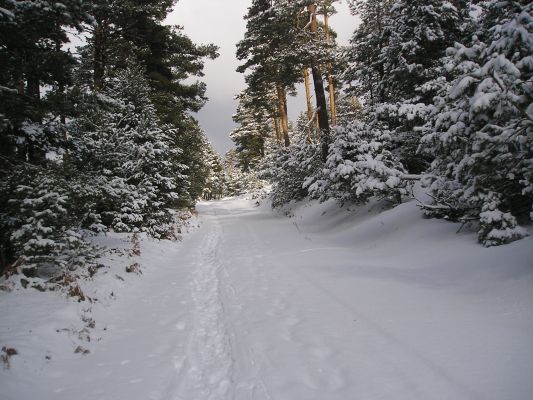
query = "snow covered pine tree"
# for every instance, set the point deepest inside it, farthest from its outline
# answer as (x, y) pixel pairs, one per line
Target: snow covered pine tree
(482, 132)
(132, 150)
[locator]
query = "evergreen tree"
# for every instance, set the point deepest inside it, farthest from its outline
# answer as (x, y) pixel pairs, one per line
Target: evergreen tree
(237, 181)
(128, 29)
(290, 168)
(251, 134)
(45, 237)
(482, 132)
(366, 68)
(133, 30)
(215, 183)
(418, 34)
(101, 146)
(31, 56)
(266, 53)
(191, 138)
(32, 122)
(397, 65)
(133, 150)
(359, 166)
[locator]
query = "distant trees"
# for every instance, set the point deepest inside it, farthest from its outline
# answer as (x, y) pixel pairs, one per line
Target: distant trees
(215, 182)
(254, 129)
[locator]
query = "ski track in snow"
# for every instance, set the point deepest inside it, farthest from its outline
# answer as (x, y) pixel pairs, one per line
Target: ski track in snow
(207, 365)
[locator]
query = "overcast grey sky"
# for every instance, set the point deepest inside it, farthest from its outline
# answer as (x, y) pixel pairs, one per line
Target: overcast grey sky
(221, 23)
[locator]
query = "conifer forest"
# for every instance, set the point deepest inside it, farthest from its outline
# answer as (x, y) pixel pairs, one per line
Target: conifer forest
(366, 236)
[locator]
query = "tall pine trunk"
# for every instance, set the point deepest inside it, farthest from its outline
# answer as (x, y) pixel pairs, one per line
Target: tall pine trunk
(277, 128)
(322, 107)
(99, 56)
(331, 89)
(309, 105)
(282, 110)
(34, 87)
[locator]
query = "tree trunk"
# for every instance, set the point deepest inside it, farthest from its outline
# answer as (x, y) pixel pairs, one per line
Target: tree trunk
(61, 90)
(322, 112)
(19, 79)
(33, 88)
(309, 106)
(282, 110)
(3, 259)
(319, 93)
(332, 105)
(381, 69)
(275, 121)
(99, 56)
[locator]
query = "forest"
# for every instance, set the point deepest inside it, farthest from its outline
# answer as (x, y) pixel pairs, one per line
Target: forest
(102, 137)
(377, 246)
(437, 92)
(98, 137)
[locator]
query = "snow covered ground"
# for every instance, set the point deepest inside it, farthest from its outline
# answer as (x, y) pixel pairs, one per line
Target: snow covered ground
(327, 304)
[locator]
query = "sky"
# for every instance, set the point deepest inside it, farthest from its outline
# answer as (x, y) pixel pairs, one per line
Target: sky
(221, 23)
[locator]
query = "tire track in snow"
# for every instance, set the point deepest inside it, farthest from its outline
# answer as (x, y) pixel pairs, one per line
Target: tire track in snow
(208, 366)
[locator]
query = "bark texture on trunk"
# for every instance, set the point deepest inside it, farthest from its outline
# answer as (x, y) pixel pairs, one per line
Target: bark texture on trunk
(282, 110)
(322, 112)
(322, 109)
(34, 88)
(332, 105)
(309, 105)
(99, 56)
(277, 129)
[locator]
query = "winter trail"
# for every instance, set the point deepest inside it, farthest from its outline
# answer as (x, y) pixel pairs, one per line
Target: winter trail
(207, 364)
(253, 305)
(307, 319)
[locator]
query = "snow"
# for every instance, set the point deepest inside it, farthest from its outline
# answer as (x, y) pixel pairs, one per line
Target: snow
(328, 303)
(8, 15)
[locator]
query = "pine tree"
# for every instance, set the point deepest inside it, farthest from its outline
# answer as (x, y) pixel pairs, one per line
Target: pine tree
(418, 34)
(482, 132)
(32, 122)
(253, 131)
(237, 181)
(360, 165)
(46, 238)
(322, 112)
(192, 140)
(127, 29)
(215, 182)
(289, 168)
(133, 150)
(100, 147)
(31, 38)
(397, 65)
(366, 68)
(266, 53)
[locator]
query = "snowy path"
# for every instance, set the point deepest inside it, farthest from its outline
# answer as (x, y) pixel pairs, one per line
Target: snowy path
(255, 306)
(308, 321)
(207, 362)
